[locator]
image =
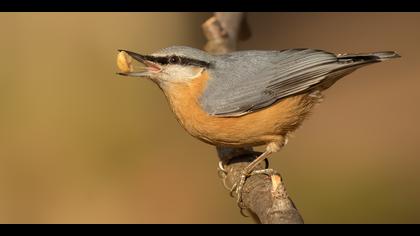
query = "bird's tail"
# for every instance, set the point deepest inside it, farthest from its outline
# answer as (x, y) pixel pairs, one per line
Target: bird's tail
(347, 63)
(351, 62)
(367, 57)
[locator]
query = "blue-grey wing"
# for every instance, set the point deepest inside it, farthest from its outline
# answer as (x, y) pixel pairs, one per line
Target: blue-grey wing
(247, 81)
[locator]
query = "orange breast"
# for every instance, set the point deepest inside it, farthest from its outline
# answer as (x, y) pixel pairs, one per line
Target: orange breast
(261, 127)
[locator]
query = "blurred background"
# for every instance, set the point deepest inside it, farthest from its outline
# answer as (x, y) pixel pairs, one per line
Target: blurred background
(79, 144)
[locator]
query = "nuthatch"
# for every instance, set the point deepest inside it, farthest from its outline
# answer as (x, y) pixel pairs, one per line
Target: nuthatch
(245, 98)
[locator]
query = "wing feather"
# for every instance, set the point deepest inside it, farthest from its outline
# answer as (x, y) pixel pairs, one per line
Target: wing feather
(247, 81)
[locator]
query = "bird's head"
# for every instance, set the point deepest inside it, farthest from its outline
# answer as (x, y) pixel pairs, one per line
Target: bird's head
(177, 64)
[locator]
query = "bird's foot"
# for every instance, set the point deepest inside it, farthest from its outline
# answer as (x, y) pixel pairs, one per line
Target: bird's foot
(223, 174)
(238, 186)
(237, 189)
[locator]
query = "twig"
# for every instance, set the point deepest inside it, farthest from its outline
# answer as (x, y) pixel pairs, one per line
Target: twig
(264, 196)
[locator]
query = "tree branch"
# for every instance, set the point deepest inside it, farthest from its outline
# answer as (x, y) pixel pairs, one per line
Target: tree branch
(264, 196)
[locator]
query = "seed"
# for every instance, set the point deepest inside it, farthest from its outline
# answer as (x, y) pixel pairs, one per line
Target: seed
(124, 62)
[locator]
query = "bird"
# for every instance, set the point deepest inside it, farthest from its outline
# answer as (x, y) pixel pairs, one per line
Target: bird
(244, 98)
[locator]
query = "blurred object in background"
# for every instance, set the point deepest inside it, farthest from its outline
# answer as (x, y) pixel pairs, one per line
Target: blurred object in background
(80, 144)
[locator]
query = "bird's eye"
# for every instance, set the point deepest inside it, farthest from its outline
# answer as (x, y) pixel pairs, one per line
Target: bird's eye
(174, 59)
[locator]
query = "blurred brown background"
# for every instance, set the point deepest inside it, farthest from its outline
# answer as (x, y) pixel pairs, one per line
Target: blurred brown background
(79, 144)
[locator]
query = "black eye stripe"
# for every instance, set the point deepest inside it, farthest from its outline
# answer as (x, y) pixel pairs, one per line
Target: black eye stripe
(178, 61)
(193, 62)
(174, 59)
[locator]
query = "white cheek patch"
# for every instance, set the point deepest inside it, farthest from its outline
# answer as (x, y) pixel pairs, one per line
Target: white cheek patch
(182, 73)
(197, 73)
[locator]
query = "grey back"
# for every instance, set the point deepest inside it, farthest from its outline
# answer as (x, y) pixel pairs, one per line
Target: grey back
(246, 81)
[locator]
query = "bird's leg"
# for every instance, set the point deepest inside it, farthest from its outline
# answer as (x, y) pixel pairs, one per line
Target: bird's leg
(249, 170)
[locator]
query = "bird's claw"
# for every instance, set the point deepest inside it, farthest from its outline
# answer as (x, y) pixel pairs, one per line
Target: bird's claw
(237, 189)
(222, 174)
(238, 186)
(221, 170)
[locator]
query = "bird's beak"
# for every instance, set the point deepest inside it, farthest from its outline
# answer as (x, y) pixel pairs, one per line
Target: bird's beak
(128, 68)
